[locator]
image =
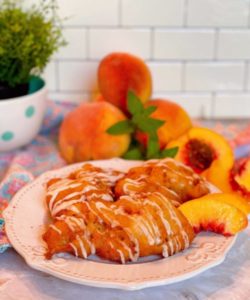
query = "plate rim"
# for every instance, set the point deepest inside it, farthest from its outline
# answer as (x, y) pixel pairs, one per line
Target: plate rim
(92, 282)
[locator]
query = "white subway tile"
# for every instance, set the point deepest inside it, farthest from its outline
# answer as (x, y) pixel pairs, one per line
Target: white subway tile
(77, 76)
(76, 44)
(89, 12)
(197, 105)
(232, 106)
(166, 76)
(69, 97)
(49, 75)
(234, 44)
(152, 12)
(214, 76)
(184, 44)
(212, 13)
(104, 41)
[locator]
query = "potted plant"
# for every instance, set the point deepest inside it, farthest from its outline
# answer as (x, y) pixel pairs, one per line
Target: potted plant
(28, 38)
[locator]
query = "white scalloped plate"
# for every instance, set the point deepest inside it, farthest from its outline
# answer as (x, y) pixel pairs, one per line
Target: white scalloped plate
(27, 216)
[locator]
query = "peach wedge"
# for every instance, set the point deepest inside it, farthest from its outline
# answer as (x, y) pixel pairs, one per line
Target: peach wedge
(230, 198)
(211, 214)
(208, 153)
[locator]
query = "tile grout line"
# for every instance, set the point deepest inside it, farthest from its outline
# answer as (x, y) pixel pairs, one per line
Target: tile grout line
(161, 27)
(168, 60)
(87, 41)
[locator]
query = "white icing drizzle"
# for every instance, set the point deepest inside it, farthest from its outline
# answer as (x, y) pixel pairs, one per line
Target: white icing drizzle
(74, 209)
(121, 256)
(171, 247)
(65, 205)
(83, 250)
(74, 248)
(72, 222)
(135, 241)
(132, 257)
(55, 228)
(99, 206)
(165, 250)
(106, 197)
(163, 219)
(91, 245)
(175, 218)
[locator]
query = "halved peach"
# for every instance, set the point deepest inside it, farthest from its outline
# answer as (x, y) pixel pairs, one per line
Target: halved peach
(208, 153)
(211, 214)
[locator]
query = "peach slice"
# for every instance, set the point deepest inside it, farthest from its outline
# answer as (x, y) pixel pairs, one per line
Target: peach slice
(177, 121)
(120, 72)
(207, 153)
(229, 198)
(211, 214)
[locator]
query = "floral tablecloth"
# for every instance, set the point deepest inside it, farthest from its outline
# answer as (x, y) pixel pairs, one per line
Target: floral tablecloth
(19, 167)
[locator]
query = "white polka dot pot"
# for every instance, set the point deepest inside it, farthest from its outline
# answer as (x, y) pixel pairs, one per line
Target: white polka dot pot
(21, 119)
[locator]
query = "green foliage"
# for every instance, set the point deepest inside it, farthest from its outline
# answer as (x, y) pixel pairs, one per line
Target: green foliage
(28, 38)
(140, 120)
(122, 127)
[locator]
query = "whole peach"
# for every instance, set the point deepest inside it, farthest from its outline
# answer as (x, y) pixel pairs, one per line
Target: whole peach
(120, 72)
(177, 121)
(83, 134)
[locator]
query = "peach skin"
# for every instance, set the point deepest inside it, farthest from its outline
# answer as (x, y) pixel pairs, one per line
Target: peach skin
(120, 72)
(83, 134)
(177, 121)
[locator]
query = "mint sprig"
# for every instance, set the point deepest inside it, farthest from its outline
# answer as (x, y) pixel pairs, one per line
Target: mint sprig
(140, 120)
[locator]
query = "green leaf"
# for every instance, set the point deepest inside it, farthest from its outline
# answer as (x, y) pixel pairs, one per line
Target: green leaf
(149, 125)
(135, 105)
(153, 148)
(149, 110)
(133, 153)
(121, 127)
(170, 152)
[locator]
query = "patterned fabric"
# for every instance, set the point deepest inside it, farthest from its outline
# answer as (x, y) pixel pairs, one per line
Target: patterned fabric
(21, 166)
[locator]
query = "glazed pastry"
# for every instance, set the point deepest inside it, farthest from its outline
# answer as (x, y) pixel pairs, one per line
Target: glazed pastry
(121, 231)
(86, 183)
(122, 217)
(174, 180)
